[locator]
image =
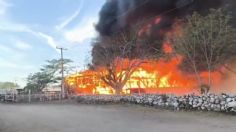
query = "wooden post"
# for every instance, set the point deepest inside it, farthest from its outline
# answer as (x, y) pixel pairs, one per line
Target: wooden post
(13, 96)
(29, 96)
(60, 97)
(5, 96)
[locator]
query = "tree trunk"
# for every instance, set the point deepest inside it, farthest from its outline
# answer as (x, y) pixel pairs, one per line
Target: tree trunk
(118, 91)
(209, 76)
(197, 77)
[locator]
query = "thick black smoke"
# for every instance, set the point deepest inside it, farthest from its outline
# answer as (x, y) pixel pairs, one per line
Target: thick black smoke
(117, 15)
(120, 15)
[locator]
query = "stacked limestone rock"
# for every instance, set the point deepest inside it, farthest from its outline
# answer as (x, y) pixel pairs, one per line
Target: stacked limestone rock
(209, 102)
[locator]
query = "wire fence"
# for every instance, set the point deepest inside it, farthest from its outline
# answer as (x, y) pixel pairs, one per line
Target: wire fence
(30, 98)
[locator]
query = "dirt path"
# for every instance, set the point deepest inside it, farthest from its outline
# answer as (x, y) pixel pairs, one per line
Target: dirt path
(82, 118)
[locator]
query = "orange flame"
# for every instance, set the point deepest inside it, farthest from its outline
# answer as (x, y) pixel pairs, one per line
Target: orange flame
(161, 76)
(167, 48)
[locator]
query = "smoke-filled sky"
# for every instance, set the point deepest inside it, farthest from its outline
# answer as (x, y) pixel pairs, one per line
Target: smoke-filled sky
(117, 16)
(30, 30)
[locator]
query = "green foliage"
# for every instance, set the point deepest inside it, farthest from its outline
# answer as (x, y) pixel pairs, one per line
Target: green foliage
(8, 85)
(207, 41)
(48, 74)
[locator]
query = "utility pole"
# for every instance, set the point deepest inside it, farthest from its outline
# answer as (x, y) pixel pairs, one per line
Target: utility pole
(62, 72)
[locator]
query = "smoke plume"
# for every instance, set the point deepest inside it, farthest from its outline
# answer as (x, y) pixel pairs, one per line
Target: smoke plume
(117, 15)
(120, 15)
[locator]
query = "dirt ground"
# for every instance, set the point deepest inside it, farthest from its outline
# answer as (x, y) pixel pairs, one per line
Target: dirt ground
(112, 118)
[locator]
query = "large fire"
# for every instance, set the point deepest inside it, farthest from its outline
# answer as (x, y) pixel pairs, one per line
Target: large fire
(161, 76)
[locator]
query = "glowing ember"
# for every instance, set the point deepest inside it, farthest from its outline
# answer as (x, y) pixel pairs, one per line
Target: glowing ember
(167, 48)
(157, 20)
(145, 30)
(103, 90)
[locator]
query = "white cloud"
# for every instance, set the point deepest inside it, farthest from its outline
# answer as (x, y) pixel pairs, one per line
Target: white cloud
(21, 45)
(10, 64)
(3, 7)
(8, 26)
(71, 18)
(5, 64)
(11, 54)
(15, 70)
(6, 49)
(14, 27)
(81, 33)
(50, 40)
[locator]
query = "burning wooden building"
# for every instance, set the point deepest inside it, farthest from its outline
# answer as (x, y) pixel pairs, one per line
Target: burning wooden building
(152, 77)
(140, 59)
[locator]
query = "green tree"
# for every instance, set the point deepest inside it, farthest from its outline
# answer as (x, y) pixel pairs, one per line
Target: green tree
(48, 74)
(206, 43)
(8, 85)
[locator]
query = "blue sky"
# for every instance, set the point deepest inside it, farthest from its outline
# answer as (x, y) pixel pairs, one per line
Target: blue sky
(30, 30)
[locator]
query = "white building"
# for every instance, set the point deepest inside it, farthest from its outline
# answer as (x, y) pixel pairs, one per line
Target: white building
(52, 89)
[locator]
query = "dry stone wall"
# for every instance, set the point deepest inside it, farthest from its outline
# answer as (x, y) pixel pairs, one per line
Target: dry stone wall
(208, 102)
